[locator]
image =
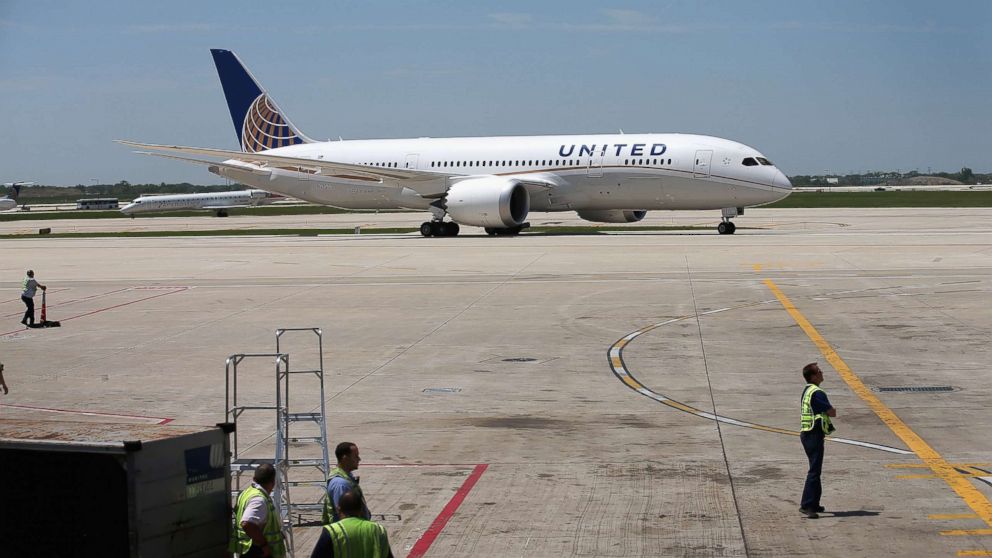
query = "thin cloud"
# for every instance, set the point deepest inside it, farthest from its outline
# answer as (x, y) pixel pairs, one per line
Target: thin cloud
(840, 27)
(628, 17)
(172, 28)
(515, 20)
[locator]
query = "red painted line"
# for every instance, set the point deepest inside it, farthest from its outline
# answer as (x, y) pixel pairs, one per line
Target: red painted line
(179, 290)
(70, 301)
(397, 465)
(425, 541)
(18, 299)
(159, 420)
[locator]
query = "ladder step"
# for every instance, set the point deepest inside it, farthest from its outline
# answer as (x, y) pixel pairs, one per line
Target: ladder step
(308, 439)
(252, 408)
(317, 371)
(321, 484)
(292, 417)
(249, 464)
(315, 462)
(303, 507)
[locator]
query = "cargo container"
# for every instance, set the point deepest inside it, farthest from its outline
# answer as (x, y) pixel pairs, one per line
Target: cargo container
(101, 489)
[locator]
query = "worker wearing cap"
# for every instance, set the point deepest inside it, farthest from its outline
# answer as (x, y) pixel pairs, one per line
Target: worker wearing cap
(28, 288)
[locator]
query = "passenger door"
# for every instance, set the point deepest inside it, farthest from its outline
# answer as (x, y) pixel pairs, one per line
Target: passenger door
(701, 169)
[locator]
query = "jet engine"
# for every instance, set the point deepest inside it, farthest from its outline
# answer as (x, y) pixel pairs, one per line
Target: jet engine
(613, 215)
(490, 202)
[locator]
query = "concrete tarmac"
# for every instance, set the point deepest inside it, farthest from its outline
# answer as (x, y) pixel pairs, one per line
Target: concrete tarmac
(555, 395)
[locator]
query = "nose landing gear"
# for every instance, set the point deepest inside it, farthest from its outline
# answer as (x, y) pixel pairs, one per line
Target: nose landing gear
(727, 226)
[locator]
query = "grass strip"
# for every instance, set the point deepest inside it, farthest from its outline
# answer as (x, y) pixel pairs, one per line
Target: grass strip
(888, 198)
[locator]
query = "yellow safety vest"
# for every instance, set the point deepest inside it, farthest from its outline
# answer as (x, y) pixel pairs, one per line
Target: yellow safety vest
(354, 537)
(241, 542)
(808, 418)
(330, 514)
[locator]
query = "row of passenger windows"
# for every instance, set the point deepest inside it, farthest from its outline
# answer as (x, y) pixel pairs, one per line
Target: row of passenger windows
(529, 163)
(751, 162)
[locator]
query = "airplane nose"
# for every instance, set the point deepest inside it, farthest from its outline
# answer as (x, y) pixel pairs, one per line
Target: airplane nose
(781, 180)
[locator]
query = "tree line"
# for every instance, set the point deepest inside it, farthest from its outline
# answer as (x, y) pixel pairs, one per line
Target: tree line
(891, 178)
(123, 190)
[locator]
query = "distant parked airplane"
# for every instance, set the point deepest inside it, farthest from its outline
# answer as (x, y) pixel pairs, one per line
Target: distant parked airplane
(10, 202)
(218, 202)
(490, 182)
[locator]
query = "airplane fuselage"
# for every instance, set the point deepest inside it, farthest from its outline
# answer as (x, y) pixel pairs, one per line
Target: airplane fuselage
(204, 201)
(591, 172)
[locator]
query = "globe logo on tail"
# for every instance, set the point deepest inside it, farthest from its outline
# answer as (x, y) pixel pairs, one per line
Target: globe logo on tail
(265, 128)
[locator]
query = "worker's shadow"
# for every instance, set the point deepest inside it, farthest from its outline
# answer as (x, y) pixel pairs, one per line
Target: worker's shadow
(852, 513)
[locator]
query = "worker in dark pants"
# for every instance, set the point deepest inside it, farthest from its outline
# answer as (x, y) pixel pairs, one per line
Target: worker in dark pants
(28, 287)
(816, 412)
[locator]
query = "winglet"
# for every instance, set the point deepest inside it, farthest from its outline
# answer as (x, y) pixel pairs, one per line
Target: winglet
(259, 122)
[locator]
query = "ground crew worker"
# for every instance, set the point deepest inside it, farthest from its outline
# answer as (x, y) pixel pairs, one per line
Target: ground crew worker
(816, 412)
(28, 287)
(342, 480)
(3, 384)
(257, 527)
(352, 536)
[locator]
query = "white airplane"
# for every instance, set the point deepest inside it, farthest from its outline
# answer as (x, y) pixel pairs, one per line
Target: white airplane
(490, 182)
(218, 202)
(10, 202)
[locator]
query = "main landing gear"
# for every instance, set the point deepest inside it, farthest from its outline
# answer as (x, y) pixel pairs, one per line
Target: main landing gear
(439, 228)
(727, 226)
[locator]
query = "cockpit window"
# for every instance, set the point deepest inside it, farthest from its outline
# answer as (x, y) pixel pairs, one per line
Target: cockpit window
(764, 161)
(750, 162)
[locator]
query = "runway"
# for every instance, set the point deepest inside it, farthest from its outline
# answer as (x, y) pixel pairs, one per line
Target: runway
(484, 378)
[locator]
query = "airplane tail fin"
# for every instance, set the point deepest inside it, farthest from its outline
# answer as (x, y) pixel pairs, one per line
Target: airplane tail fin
(259, 122)
(15, 188)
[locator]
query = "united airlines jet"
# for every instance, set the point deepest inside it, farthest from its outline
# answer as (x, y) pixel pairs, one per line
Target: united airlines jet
(218, 202)
(489, 182)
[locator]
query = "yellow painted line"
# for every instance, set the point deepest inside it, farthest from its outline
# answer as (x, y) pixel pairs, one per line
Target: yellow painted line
(952, 516)
(966, 532)
(924, 466)
(757, 267)
(958, 483)
(631, 382)
(681, 407)
(931, 476)
(975, 553)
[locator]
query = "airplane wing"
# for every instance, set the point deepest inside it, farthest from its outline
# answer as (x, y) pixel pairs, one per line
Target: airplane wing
(420, 181)
(327, 168)
(243, 167)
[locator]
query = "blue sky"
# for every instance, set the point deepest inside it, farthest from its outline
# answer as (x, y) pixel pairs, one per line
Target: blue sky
(817, 86)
